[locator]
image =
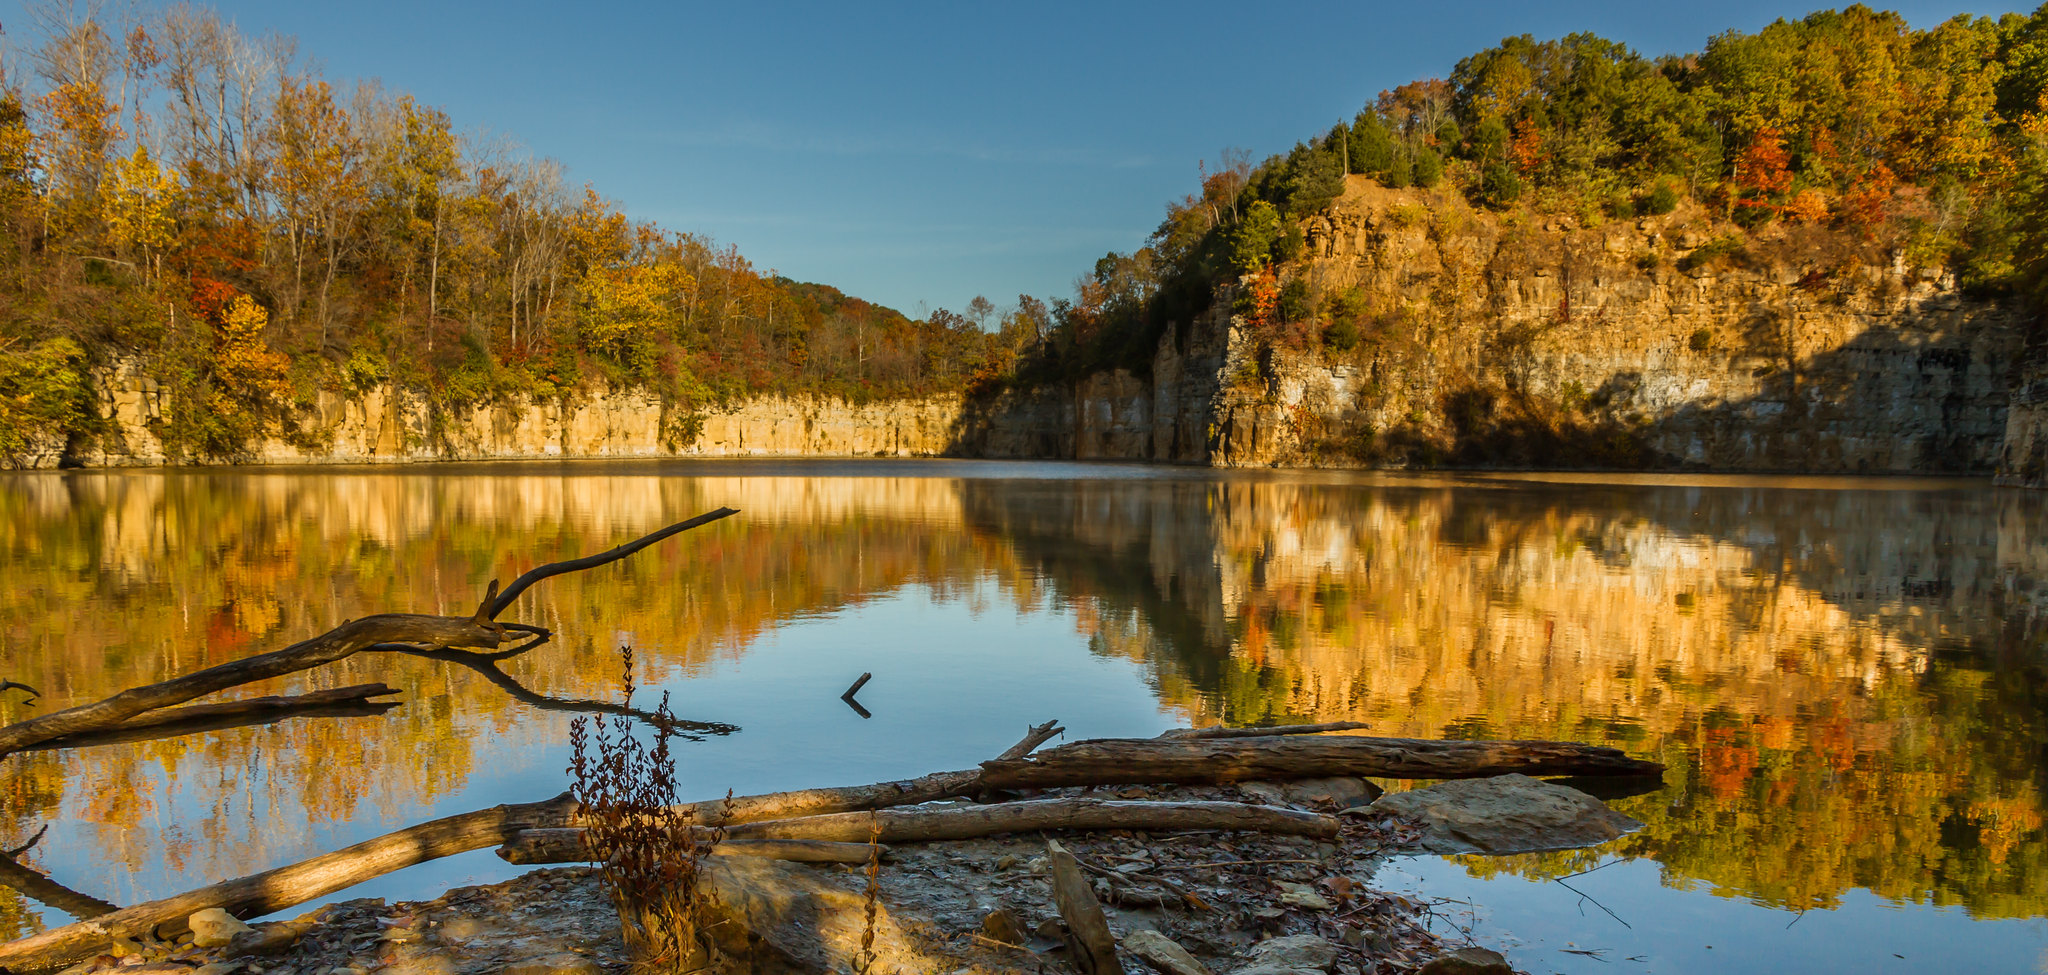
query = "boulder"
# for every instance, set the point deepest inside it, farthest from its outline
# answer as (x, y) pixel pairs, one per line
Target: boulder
(1163, 953)
(214, 928)
(1294, 951)
(1469, 961)
(776, 918)
(1504, 814)
(1344, 792)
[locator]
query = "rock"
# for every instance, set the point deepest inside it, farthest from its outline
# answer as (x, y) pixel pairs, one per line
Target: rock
(1003, 926)
(1295, 951)
(462, 928)
(1265, 792)
(214, 928)
(1504, 814)
(1469, 961)
(557, 964)
(1276, 970)
(1344, 792)
(1006, 861)
(421, 965)
(1302, 895)
(268, 939)
(219, 968)
(1163, 953)
(770, 916)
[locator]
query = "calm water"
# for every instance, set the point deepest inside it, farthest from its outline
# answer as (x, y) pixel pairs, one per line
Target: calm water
(1848, 678)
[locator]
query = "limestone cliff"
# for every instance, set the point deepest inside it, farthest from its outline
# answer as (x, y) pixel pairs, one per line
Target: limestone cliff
(1520, 341)
(388, 424)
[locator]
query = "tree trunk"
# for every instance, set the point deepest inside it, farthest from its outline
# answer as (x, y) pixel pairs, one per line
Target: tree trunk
(1207, 760)
(971, 822)
(275, 890)
(537, 846)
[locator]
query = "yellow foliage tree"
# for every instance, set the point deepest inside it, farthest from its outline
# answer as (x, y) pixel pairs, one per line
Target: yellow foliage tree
(247, 372)
(137, 207)
(626, 309)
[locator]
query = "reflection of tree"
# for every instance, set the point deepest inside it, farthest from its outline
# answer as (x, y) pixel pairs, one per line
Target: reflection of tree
(1859, 671)
(486, 665)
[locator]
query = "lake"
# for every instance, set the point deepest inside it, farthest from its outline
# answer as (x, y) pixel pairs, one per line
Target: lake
(1847, 677)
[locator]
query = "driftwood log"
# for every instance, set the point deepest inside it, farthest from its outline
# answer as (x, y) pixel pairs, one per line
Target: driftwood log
(353, 701)
(275, 890)
(566, 845)
(1215, 760)
(966, 822)
(380, 632)
(961, 822)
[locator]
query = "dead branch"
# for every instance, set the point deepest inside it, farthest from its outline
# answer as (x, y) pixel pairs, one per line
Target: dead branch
(526, 579)
(1033, 737)
(1106, 761)
(1183, 734)
(1090, 945)
(340, 702)
(8, 685)
(536, 846)
(382, 631)
(275, 890)
(486, 665)
(336, 644)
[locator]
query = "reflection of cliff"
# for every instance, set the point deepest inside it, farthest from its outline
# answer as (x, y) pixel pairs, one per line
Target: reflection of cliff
(1867, 661)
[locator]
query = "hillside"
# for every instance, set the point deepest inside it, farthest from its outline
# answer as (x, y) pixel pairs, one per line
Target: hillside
(1815, 247)
(189, 202)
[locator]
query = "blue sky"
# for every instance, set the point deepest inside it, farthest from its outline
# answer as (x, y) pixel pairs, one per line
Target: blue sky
(919, 155)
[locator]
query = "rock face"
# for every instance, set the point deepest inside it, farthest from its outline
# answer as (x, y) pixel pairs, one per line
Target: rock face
(1504, 814)
(387, 424)
(1506, 341)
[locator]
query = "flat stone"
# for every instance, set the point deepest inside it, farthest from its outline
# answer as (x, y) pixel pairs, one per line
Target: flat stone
(214, 928)
(1295, 951)
(420, 965)
(1504, 814)
(268, 939)
(1469, 961)
(557, 964)
(463, 928)
(1302, 895)
(1163, 953)
(219, 968)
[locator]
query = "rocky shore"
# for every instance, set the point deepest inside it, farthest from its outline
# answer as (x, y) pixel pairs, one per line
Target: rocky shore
(1188, 903)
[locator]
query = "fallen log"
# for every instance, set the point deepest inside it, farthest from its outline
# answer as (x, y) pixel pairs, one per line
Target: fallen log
(340, 702)
(966, 822)
(277, 889)
(1182, 734)
(1107, 761)
(538, 846)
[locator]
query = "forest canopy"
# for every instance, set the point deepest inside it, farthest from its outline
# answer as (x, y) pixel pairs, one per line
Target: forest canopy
(1934, 140)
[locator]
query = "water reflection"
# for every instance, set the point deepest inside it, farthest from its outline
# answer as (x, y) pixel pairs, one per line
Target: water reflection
(1846, 678)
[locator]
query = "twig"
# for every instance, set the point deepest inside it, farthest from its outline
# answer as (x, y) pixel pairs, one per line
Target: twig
(1230, 863)
(1603, 866)
(1596, 903)
(526, 579)
(486, 664)
(30, 845)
